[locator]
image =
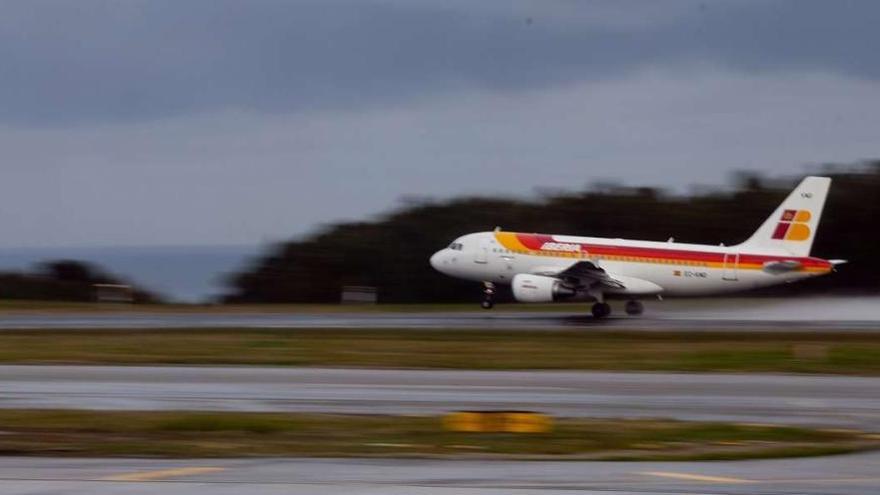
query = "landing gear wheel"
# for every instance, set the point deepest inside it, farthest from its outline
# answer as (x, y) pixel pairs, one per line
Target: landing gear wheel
(634, 308)
(489, 293)
(601, 310)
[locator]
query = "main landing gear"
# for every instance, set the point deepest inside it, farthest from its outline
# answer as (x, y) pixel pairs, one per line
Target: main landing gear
(488, 295)
(634, 308)
(601, 310)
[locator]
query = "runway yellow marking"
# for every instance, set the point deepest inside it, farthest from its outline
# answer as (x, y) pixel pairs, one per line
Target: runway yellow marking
(696, 477)
(163, 474)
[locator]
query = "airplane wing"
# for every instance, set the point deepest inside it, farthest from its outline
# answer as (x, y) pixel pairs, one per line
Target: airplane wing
(586, 273)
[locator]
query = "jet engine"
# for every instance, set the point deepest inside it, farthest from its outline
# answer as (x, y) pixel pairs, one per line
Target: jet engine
(539, 289)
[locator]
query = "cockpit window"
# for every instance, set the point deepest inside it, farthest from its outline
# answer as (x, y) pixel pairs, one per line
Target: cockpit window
(455, 246)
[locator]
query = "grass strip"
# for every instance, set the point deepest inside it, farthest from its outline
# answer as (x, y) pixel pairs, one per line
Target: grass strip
(188, 434)
(832, 352)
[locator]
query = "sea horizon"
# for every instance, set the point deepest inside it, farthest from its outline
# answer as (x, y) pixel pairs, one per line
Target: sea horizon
(181, 273)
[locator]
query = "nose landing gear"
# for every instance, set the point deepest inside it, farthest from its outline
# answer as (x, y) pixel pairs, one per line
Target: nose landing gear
(488, 301)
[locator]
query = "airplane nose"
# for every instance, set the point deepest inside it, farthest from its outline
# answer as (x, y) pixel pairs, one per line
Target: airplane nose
(437, 260)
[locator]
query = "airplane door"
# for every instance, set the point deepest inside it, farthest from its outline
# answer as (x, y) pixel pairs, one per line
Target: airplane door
(731, 262)
(481, 254)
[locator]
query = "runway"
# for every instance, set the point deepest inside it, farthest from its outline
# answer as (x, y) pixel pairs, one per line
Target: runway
(741, 314)
(840, 475)
(836, 401)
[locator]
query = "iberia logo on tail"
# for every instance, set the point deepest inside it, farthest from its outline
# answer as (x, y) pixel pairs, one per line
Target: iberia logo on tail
(793, 226)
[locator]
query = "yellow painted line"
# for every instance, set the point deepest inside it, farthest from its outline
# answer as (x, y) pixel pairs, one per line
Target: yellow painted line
(696, 477)
(163, 474)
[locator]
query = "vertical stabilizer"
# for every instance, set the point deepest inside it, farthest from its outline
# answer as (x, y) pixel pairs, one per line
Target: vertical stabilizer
(792, 227)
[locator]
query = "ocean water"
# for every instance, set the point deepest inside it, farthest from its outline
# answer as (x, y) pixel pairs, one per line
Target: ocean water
(179, 273)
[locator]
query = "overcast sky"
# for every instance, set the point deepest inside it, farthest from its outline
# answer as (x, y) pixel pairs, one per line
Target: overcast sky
(224, 121)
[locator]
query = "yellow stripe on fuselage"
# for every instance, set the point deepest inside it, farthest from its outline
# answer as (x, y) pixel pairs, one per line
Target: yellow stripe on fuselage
(510, 241)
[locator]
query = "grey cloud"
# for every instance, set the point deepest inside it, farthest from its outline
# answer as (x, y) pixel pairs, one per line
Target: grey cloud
(244, 177)
(94, 61)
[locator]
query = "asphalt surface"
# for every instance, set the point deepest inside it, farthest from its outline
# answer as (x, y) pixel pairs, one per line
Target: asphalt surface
(789, 399)
(416, 321)
(840, 475)
(742, 314)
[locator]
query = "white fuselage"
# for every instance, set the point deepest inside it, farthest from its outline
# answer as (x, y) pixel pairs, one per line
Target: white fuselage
(679, 269)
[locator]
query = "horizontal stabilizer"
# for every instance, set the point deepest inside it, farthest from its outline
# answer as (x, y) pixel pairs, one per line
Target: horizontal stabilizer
(778, 267)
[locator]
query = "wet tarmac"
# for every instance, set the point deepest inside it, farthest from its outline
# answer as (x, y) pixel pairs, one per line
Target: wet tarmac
(839, 475)
(836, 401)
(417, 321)
(745, 314)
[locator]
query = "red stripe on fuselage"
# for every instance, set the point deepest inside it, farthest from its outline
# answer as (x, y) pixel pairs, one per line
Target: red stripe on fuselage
(535, 241)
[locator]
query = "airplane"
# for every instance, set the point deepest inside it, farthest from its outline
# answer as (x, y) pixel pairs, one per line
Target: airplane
(543, 268)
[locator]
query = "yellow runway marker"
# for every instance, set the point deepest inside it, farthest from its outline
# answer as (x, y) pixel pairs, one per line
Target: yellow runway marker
(696, 477)
(162, 474)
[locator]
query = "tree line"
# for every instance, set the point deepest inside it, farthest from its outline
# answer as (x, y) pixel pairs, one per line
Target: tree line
(64, 280)
(391, 253)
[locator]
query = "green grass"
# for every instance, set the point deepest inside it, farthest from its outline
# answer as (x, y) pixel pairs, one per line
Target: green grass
(832, 352)
(186, 434)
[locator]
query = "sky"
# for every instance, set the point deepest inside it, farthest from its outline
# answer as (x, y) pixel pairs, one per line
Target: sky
(199, 122)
